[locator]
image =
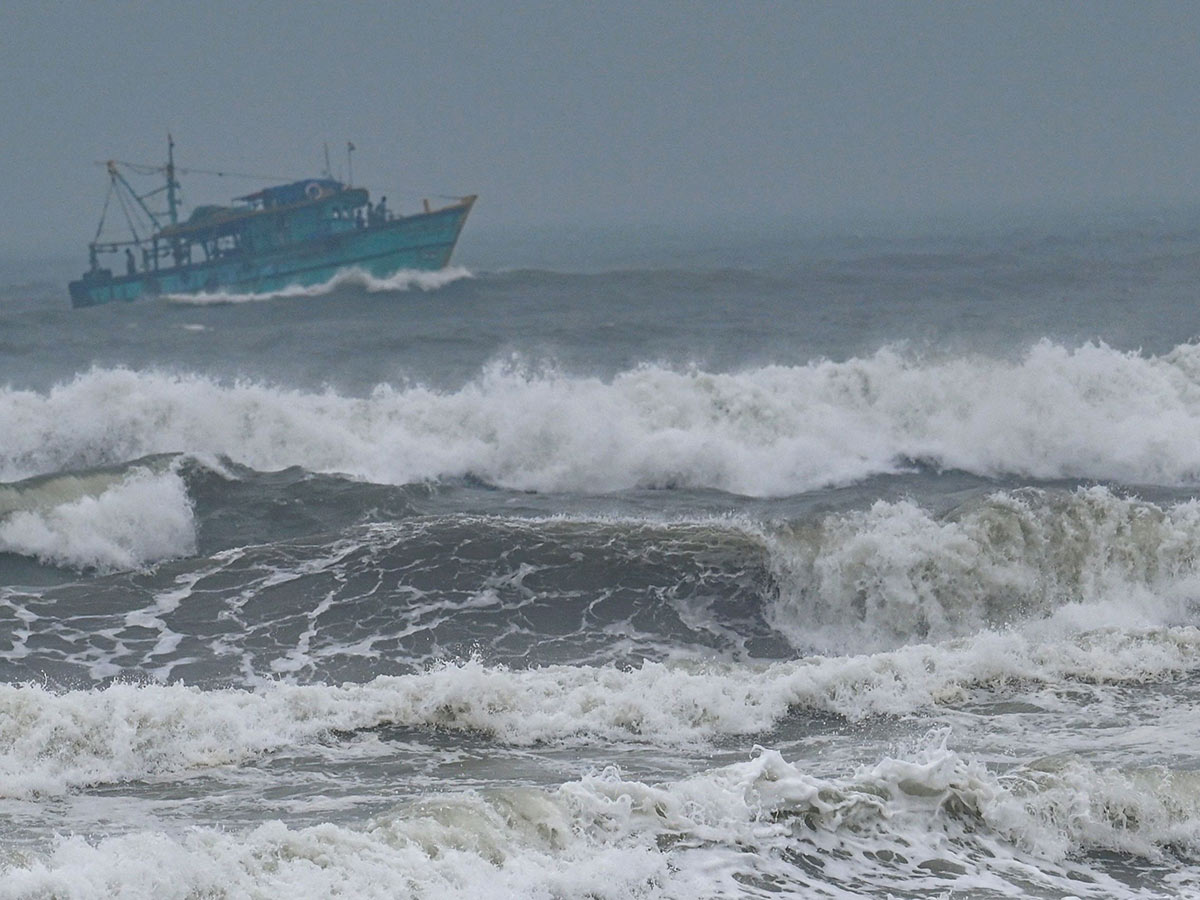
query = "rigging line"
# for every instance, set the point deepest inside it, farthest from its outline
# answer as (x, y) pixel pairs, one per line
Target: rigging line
(140, 168)
(147, 169)
(103, 212)
(234, 174)
(409, 194)
(128, 218)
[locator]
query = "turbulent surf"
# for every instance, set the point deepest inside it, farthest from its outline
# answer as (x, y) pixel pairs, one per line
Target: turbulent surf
(870, 568)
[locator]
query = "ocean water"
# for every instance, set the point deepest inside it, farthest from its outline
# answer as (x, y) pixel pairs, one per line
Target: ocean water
(614, 565)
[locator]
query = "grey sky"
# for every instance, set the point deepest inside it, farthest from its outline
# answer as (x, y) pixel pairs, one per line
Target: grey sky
(562, 113)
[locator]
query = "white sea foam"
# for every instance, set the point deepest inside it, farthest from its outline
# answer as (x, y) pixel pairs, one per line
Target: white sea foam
(54, 741)
(1049, 562)
(273, 861)
(923, 822)
(102, 521)
(1090, 412)
(404, 280)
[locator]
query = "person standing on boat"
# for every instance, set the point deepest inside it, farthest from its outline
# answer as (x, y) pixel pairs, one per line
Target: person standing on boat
(130, 262)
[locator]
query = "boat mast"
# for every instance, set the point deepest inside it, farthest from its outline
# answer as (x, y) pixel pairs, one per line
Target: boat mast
(172, 184)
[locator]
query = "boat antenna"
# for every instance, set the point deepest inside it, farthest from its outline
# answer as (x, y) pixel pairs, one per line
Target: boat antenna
(328, 171)
(172, 184)
(350, 162)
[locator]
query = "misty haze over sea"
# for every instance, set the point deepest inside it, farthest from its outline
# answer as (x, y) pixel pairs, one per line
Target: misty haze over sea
(791, 487)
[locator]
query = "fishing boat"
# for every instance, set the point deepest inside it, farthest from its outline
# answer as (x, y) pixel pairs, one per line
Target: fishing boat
(297, 233)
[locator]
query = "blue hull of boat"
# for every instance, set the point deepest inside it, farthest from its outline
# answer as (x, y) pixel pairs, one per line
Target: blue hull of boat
(422, 242)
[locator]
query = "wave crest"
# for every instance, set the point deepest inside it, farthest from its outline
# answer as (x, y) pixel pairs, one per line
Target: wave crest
(1053, 561)
(1090, 412)
(140, 518)
(51, 742)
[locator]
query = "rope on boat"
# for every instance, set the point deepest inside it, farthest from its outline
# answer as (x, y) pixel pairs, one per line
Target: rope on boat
(128, 217)
(104, 210)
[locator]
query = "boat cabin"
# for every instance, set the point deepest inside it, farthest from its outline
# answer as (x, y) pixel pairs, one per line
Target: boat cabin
(266, 220)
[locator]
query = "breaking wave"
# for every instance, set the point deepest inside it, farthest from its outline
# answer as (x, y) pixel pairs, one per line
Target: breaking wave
(1059, 562)
(1005, 573)
(1088, 412)
(53, 741)
(103, 521)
